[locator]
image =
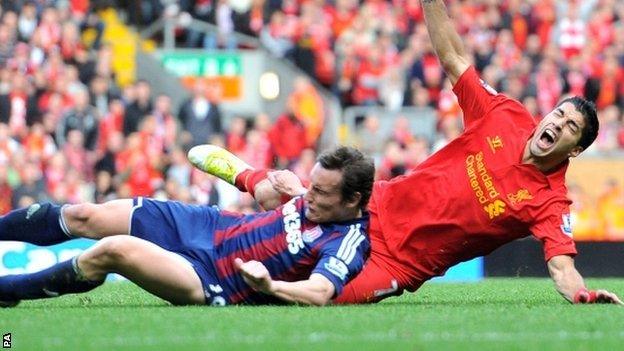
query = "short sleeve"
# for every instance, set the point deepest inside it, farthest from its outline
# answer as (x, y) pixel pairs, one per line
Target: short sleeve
(555, 232)
(475, 97)
(343, 257)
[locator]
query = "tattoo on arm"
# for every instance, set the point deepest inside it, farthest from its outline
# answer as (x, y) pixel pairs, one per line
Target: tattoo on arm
(428, 1)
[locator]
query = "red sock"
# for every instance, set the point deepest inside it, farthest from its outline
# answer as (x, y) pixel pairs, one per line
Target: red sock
(247, 179)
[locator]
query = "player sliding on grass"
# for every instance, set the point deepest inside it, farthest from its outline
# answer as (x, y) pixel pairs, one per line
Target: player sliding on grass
(502, 179)
(303, 252)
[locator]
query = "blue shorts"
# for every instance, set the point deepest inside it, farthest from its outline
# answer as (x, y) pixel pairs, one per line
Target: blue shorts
(186, 230)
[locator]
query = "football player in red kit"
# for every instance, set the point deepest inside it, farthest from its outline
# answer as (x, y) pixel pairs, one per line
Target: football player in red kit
(502, 179)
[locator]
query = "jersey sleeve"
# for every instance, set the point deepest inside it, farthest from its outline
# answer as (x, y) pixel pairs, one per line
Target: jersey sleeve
(475, 97)
(555, 232)
(342, 258)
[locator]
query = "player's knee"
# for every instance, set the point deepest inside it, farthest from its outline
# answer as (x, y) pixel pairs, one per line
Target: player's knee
(79, 218)
(197, 296)
(113, 252)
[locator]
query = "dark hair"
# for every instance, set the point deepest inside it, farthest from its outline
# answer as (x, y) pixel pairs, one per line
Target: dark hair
(358, 172)
(588, 110)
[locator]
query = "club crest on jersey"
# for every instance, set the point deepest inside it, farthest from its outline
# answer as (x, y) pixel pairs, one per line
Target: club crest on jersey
(292, 226)
(566, 227)
(309, 235)
(495, 209)
(337, 267)
(495, 143)
(487, 87)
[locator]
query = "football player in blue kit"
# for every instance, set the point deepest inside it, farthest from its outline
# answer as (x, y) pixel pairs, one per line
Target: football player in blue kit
(303, 252)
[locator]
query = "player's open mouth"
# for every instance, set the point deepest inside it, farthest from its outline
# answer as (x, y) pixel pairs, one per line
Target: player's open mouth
(547, 139)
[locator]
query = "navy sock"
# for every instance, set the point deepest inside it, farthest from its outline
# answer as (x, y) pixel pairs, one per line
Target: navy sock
(39, 224)
(62, 278)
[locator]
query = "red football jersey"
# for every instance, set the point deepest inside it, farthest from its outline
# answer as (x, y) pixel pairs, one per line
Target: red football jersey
(475, 194)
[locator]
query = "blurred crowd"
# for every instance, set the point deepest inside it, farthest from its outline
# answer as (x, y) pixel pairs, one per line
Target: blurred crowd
(598, 218)
(69, 133)
(377, 52)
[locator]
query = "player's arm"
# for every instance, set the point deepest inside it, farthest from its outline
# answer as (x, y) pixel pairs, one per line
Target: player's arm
(445, 39)
(569, 283)
(279, 187)
(316, 290)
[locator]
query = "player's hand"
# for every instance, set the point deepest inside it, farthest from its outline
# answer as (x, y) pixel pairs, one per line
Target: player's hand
(286, 182)
(255, 274)
(598, 296)
(604, 296)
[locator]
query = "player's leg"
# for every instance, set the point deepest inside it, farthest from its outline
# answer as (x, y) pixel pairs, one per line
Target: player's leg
(158, 271)
(381, 276)
(49, 224)
(97, 221)
(225, 165)
(37, 224)
(373, 284)
(60, 279)
(217, 161)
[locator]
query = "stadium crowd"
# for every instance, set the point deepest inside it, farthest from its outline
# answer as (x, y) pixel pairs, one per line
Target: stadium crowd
(68, 133)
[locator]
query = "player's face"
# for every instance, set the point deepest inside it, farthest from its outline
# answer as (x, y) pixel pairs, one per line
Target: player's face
(557, 135)
(324, 198)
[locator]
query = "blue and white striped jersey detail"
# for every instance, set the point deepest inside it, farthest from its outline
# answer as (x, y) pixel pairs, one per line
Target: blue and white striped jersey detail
(344, 256)
(276, 238)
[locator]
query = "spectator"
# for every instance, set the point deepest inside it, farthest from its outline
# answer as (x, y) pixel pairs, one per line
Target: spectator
(235, 137)
(392, 163)
(258, 152)
(139, 108)
(277, 35)
(6, 192)
(288, 138)
(104, 187)
(224, 37)
(8, 145)
(308, 107)
(572, 32)
(200, 115)
(27, 22)
(165, 125)
(304, 165)
(180, 169)
(18, 108)
(108, 161)
(610, 126)
(136, 169)
(32, 187)
(101, 94)
(111, 123)
(7, 44)
(369, 138)
(82, 117)
(38, 144)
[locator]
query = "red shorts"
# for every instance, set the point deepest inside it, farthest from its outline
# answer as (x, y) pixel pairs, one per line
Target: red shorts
(382, 276)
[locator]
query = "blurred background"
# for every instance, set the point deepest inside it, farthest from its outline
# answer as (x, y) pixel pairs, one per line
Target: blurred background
(101, 99)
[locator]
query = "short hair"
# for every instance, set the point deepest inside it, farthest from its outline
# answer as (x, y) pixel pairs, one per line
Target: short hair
(588, 110)
(358, 172)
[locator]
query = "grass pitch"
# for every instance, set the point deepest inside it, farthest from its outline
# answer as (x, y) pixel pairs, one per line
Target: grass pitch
(496, 314)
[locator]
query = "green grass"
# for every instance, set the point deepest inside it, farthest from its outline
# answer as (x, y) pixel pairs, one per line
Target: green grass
(496, 314)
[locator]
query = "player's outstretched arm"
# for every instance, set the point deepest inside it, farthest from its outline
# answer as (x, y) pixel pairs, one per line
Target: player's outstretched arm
(445, 39)
(317, 290)
(569, 283)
